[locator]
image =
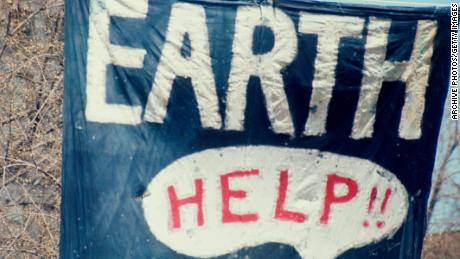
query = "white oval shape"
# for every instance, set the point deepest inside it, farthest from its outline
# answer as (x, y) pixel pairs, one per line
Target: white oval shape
(318, 202)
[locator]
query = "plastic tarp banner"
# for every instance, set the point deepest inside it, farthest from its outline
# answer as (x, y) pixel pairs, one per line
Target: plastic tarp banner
(249, 129)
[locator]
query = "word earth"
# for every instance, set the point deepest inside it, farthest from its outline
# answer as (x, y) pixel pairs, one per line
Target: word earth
(188, 29)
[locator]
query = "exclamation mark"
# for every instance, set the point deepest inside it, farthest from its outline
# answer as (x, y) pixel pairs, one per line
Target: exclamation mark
(371, 204)
(381, 223)
(383, 206)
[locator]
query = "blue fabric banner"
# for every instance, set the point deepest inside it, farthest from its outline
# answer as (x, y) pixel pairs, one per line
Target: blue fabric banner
(250, 129)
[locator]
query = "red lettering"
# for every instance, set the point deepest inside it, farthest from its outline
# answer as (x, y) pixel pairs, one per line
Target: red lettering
(330, 197)
(176, 203)
(227, 215)
(280, 212)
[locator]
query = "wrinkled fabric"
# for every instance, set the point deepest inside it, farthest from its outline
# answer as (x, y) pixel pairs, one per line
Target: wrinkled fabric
(150, 83)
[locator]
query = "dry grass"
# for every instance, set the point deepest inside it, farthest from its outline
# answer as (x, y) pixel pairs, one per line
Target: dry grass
(442, 246)
(31, 89)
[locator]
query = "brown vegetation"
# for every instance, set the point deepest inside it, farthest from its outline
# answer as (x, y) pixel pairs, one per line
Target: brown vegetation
(442, 246)
(31, 88)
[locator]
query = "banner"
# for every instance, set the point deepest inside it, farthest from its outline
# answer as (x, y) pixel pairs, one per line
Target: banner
(249, 129)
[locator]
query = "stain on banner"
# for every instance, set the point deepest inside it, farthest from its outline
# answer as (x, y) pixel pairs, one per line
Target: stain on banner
(249, 129)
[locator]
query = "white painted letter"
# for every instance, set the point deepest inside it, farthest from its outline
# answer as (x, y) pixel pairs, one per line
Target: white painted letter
(185, 19)
(330, 30)
(414, 72)
(102, 53)
(266, 66)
